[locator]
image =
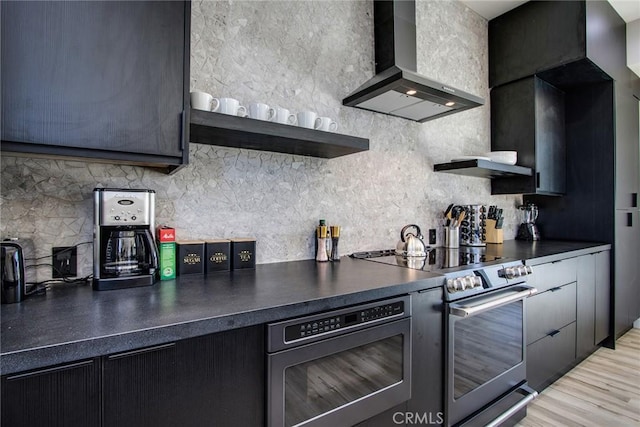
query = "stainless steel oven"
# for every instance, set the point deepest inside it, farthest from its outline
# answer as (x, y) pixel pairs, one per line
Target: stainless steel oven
(486, 346)
(339, 367)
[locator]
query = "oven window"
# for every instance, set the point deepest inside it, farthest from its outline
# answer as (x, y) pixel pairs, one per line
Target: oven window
(321, 385)
(486, 345)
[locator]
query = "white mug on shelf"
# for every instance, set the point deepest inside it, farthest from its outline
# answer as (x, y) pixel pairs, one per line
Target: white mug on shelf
(326, 124)
(260, 111)
(201, 100)
(283, 116)
(229, 106)
(307, 119)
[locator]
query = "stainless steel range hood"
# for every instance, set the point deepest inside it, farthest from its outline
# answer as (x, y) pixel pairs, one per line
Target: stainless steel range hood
(397, 89)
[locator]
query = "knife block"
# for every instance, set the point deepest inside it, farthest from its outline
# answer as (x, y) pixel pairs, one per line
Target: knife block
(493, 234)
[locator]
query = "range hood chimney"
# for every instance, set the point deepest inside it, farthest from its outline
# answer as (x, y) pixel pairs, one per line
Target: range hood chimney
(397, 89)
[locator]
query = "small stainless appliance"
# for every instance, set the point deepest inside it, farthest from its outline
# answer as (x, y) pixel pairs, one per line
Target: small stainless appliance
(124, 250)
(12, 272)
(528, 229)
(485, 342)
(339, 367)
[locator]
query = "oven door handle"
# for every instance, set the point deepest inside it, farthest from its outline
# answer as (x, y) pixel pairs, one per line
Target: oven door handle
(491, 302)
(529, 393)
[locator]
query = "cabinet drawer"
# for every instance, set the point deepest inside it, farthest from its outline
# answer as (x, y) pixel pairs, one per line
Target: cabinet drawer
(550, 311)
(553, 274)
(550, 357)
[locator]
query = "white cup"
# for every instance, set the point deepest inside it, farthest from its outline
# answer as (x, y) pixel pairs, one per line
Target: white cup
(325, 124)
(307, 119)
(261, 111)
(201, 100)
(229, 106)
(283, 116)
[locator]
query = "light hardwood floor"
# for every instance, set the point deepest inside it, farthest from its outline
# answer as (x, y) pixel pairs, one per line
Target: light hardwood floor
(602, 391)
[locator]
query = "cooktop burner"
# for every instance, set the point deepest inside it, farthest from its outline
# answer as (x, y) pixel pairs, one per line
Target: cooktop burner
(437, 258)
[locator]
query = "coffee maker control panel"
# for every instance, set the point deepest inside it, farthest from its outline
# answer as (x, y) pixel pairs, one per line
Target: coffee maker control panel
(124, 207)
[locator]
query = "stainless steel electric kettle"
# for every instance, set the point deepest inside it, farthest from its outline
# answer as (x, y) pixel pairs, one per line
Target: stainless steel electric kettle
(12, 278)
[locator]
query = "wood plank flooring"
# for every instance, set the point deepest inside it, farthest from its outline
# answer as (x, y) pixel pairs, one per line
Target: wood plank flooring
(604, 390)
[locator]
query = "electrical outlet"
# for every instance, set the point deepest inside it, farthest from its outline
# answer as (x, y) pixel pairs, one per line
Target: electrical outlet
(64, 261)
(432, 236)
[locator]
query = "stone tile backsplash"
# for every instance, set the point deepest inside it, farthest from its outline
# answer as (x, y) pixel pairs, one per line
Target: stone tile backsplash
(303, 56)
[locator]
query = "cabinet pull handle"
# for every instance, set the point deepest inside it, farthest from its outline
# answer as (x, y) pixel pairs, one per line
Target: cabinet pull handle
(554, 333)
(537, 179)
(556, 262)
(629, 219)
(556, 289)
(49, 370)
(141, 351)
(634, 200)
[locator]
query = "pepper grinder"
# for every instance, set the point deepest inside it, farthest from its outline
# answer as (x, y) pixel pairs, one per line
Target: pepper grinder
(335, 236)
(321, 232)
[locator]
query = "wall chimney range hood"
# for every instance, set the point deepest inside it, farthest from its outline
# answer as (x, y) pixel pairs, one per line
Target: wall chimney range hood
(397, 89)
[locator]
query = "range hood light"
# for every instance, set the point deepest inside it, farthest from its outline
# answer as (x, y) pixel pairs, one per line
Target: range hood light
(397, 89)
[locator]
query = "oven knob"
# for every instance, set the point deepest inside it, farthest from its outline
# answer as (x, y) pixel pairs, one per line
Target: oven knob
(528, 269)
(468, 282)
(455, 285)
(507, 272)
(477, 282)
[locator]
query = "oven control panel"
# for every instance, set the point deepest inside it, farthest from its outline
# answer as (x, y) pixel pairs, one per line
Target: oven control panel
(515, 271)
(336, 322)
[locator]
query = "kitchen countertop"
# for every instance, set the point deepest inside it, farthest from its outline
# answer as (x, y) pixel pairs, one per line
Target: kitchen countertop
(74, 322)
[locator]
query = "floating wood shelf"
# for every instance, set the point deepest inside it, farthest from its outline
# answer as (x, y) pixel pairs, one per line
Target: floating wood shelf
(483, 169)
(240, 132)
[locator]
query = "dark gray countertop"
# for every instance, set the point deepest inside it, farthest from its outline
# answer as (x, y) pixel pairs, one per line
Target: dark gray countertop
(75, 322)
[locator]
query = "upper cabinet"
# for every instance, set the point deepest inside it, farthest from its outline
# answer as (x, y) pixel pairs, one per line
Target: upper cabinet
(529, 116)
(103, 80)
(572, 38)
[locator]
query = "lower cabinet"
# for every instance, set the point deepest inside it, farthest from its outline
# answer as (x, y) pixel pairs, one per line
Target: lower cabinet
(140, 388)
(61, 396)
(569, 317)
(215, 380)
(549, 358)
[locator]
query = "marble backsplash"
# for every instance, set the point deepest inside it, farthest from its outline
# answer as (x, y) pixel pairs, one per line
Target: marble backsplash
(304, 56)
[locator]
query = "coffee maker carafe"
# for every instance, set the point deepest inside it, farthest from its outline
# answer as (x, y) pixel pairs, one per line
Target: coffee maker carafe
(528, 229)
(124, 250)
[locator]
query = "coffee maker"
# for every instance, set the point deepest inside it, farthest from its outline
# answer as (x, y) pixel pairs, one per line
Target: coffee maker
(528, 229)
(124, 250)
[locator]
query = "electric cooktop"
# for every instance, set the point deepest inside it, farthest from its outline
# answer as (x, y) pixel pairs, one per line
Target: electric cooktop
(438, 259)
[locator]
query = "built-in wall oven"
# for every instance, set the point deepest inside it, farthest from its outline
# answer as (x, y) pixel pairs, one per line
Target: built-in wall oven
(339, 367)
(486, 346)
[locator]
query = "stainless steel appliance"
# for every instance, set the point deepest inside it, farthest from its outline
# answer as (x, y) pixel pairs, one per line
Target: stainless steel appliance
(339, 367)
(528, 229)
(12, 272)
(124, 250)
(485, 343)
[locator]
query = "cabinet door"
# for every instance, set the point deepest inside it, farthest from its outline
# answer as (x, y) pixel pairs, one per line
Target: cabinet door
(550, 311)
(551, 357)
(428, 356)
(528, 116)
(103, 75)
(63, 396)
(627, 280)
(222, 379)
(627, 148)
(586, 303)
(603, 296)
(140, 388)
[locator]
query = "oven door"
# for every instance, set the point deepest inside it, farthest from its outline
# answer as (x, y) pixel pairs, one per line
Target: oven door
(341, 380)
(485, 350)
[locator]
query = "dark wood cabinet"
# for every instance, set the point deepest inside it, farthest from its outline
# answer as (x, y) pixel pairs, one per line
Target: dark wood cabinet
(222, 379)
(572, 38)
(61, 396)
(551, 357)
(141, 388)
(528, 116)
(593, 302)
(603, 296)
(550, 311)
(104, 80)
